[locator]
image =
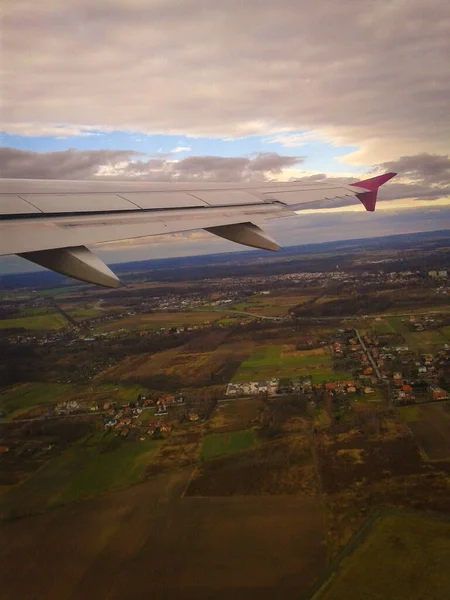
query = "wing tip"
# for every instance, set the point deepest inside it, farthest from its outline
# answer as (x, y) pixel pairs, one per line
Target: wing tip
(369, 198)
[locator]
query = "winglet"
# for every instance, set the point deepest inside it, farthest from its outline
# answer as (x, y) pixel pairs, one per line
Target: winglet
(369, 198)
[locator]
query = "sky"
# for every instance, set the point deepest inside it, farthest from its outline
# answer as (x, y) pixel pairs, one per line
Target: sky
(193, 90)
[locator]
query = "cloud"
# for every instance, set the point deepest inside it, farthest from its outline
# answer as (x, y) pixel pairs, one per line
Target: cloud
(87, 164)
(427, 168)
(294, 140)
(421, 177)
(181, 149)
(371, 74)
(67, 164)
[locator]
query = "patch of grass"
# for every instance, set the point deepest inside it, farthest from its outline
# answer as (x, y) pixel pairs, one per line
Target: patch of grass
(235, 415)
(410, 413)
(269, 361)
(398, 324)
(43, 321)
(87, 468)
(383, 327)
(34, 312)
(329, 375)
(425, 340)
(404, 557)
(217, 444)
(85, 313)
(22, 397)
(61, 290)
(163, 319)
(321, 419)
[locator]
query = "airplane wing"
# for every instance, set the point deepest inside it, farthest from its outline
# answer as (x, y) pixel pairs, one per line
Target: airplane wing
(51, 222)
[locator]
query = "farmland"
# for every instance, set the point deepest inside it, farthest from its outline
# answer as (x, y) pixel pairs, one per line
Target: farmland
(149, 540)
(270, 306)
(20, 398)
(278, 467)
(403, 556)
(235, 415)
(430, 425)
(164, 319)
(418, 341)
(284, 361)
(179, 367)
(48, 321)
(217, 444)
(145, 474)
(95, 464)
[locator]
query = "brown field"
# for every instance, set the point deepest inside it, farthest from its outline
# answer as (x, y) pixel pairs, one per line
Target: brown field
(179, 450)
(283, 466)
(290, 351)
(163, 319)
(271, 306)
(389, 559)
(234, 415)
(375, 450)
(432, 430)
(181, 366)
(149, 542)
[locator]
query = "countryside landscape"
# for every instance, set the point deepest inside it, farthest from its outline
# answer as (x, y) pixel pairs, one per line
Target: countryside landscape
(242, 425)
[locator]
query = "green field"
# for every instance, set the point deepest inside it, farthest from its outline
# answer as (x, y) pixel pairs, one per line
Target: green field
(164, 319)
(61, 290)
(121, 393)
(383, 327)
(268, 361)
(42, 321)
(425, 341)
(85, 313)
(34, 312)
(91, 466)
(403, 557)
(410, 413)
(446, 332)
(216, 444)
(320, 376)
(22, 397)
(417, 341)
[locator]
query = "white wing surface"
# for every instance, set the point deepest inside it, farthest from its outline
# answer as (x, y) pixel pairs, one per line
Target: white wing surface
(52, 222)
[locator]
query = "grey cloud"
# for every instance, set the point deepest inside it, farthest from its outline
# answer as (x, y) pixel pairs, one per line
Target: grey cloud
(422, 176)
(375, 74)
(67, 164)
(87, 164)
(428, 174)
(430, 168)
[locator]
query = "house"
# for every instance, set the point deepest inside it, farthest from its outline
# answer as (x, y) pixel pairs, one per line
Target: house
(438, 393)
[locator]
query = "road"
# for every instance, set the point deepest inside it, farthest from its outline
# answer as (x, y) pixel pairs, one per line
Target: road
(241, 312)
(369, 355)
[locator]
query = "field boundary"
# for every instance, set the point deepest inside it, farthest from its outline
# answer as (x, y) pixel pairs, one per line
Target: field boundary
(328, 574)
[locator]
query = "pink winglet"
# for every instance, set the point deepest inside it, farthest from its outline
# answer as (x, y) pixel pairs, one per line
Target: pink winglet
(369, 198)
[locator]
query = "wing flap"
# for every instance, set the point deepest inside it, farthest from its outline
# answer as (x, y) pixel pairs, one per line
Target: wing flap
(45, 233)
(78, 263)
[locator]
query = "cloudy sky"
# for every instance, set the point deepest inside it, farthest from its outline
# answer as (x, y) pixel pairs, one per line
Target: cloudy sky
(209, 90)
